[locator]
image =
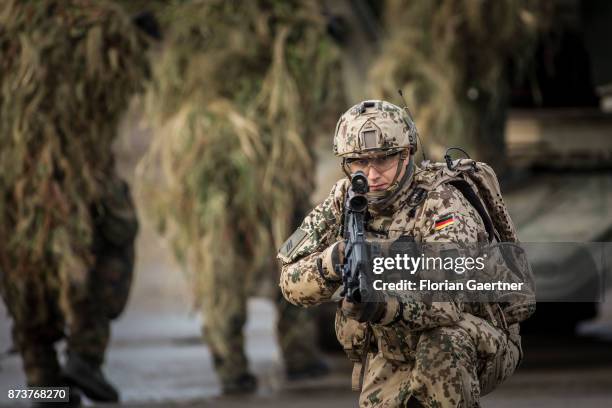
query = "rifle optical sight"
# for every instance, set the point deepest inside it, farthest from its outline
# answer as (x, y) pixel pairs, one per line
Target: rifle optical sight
(357, 199)
(359, 182)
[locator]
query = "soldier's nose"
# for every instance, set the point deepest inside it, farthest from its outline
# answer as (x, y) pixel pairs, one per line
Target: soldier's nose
(373, 174)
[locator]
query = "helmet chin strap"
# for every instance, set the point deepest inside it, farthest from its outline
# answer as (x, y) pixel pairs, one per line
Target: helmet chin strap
(380, 200)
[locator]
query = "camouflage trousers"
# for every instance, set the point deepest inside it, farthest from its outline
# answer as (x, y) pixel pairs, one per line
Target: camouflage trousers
(453, 367)
(225, 317)
(44, 312)
(225, 311)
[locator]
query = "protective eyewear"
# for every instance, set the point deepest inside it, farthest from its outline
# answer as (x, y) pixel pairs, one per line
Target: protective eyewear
(380, 163)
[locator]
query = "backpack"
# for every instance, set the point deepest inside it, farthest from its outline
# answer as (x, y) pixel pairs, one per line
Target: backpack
(478, 183)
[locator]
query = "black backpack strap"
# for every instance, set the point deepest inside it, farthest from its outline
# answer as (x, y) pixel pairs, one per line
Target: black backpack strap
(471, 196)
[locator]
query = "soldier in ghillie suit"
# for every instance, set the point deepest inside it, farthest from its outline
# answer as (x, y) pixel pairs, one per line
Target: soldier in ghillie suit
(407, 351)
(455, 60)
(237, 96)
(67, 222)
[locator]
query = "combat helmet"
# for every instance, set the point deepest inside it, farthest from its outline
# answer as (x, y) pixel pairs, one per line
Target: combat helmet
(375, 128)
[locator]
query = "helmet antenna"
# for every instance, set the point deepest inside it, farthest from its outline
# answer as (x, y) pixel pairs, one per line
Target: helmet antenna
(401, 94)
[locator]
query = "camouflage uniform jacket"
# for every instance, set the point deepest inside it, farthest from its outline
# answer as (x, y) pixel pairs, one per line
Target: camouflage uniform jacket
(304, 283)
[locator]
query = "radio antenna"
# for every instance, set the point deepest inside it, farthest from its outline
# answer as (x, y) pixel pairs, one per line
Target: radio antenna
(401, 94)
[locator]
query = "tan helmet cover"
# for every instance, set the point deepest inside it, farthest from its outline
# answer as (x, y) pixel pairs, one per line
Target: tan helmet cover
(374, 126)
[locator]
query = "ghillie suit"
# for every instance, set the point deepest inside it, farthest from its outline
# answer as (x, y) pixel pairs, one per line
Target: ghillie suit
(239, 92)
(67, 225)
(454, 61)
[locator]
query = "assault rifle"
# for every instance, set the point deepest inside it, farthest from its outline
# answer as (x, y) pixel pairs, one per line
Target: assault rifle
(356, 258)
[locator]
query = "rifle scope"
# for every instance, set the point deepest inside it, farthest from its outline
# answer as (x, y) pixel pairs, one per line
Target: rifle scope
(357, 200)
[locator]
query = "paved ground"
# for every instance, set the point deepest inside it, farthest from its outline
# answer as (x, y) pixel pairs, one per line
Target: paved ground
(158, 360)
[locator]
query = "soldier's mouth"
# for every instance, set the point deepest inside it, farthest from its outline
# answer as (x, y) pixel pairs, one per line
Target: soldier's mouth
(378, 187)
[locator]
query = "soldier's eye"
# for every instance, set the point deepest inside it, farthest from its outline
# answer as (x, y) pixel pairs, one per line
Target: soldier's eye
(380, 161)
(385, 162)
(359, 163)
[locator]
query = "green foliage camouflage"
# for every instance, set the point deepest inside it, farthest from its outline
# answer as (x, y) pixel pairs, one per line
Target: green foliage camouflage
(239, 92)
(67, 71)
(450, 58)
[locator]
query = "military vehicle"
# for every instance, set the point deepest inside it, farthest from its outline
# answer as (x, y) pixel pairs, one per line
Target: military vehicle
(559, 148)
(564, 196)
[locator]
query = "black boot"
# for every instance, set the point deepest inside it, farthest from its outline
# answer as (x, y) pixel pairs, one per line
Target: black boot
(88, 377)
(244, 384)
(315, 369)
(42, 369)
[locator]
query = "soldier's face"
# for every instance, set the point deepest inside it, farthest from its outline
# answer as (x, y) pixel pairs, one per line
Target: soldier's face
(379, 180)
(380, 169)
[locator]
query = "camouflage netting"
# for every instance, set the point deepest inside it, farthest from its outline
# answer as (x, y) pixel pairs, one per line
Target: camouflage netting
(450, 58)
(239, 93)
(67, 70)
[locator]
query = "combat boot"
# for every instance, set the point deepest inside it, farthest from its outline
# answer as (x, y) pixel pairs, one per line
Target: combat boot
(88, 377)
(244, 384)
(42, 369)
(42, 377)
(314, 369)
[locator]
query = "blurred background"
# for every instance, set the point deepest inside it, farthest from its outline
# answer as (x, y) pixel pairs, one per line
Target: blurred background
(235, 111)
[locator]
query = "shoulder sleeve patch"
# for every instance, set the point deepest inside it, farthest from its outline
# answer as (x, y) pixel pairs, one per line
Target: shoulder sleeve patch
(444, 221)
(292, 243)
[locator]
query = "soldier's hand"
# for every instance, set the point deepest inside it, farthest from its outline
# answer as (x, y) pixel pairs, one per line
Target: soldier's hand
(371, 312)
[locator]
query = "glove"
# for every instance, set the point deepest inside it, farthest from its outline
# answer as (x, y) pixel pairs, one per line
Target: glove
(372, 312)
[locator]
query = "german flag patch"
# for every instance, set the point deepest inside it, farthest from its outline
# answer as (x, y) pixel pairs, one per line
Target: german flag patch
(444, 222)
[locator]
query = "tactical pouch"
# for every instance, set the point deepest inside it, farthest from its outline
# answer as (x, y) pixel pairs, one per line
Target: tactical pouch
(517, 312)
(394, 343)
(487, 338)
(515, 337)
(352, 335)
(355, 340)
(498, 367)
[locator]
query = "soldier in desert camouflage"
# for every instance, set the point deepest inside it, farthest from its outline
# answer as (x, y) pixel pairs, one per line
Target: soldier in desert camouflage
(406, 352)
